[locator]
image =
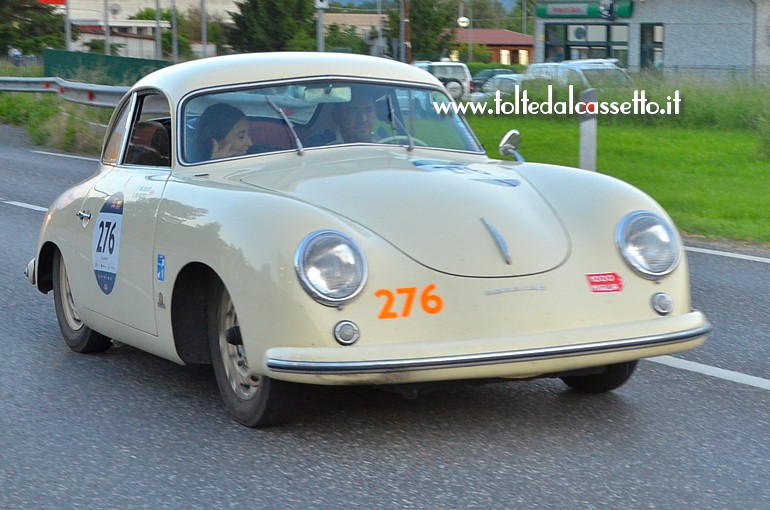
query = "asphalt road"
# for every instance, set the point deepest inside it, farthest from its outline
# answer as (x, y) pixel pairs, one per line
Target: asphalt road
(127, 430)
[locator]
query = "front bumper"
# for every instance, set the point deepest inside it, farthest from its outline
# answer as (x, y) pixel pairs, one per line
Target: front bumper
(29, 272)
(536, 355)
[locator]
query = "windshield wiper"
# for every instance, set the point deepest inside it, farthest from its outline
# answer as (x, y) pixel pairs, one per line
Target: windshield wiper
(300, 148)
(394, 119)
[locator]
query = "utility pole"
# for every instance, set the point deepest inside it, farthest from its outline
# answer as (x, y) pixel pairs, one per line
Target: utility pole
(320, 6)
(174, 42)
(204, 29)
(158, 48)
(106, 28)
(406, 37)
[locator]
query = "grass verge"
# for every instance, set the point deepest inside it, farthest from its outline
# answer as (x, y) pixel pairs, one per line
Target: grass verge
(711, 182)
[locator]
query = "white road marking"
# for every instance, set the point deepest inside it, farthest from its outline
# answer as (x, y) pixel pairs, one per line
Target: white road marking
(25, 206)
(728, 254)
(84, 158)
(721, 373)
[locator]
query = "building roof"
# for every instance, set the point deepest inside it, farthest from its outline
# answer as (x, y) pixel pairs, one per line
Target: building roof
(493, 37)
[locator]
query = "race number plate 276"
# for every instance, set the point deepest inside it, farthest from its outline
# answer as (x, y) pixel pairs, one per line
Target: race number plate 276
(105, 245)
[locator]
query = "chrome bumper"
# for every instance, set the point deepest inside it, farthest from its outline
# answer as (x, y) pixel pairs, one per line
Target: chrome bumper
(483, 359)
(29, 272)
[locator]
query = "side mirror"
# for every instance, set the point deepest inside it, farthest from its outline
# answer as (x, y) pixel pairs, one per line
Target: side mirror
(510, 143)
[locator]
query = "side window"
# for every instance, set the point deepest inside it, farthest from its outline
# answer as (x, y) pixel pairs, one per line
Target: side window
(115, 139)
(150, 141)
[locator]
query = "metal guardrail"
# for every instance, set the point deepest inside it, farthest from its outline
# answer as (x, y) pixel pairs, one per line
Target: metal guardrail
(105, 96)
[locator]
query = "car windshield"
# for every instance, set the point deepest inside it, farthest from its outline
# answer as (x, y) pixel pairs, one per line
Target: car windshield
(313, 114)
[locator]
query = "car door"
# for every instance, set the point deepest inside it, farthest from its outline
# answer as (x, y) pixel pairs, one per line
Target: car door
(115, 245)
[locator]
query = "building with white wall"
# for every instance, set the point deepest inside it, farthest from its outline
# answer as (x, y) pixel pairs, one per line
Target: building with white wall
(724, 35)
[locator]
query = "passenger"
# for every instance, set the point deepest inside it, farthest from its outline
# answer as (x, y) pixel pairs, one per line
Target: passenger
(222, 131)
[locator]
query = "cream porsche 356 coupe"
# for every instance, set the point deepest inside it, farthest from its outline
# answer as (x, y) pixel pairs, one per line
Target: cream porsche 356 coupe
(312, 218)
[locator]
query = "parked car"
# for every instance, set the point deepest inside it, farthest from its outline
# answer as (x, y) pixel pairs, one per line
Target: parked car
(505, 83)
(480, 78)
(596, 73)
(232, 222)
(455, 76)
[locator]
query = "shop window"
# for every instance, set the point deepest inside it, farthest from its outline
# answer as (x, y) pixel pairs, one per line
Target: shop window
(579, 41)
(652, 38)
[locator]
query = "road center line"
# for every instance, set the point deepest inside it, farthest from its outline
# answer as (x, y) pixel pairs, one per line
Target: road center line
(727, 375)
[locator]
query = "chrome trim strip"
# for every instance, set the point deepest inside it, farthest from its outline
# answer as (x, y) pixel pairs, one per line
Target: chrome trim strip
(501, 244)
(471, 360)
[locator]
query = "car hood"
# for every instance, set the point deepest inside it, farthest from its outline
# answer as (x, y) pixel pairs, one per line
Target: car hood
(465, 219)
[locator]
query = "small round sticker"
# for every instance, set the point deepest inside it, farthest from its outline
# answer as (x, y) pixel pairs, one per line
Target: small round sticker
(105, 245)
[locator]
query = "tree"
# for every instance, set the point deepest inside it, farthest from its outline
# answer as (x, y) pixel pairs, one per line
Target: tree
(432, 26)
(480, 53)
(272, 25)
(97, 46)
(31, 26)
(486, 13)
(344, 38)
(185, 32)
(190, 27)
(515, 21)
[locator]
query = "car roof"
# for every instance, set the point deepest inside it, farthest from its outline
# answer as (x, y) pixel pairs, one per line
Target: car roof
(179, 79)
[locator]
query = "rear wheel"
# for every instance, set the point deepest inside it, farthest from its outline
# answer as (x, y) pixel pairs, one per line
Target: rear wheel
(79, 337)
(254, 401)
(613, 377)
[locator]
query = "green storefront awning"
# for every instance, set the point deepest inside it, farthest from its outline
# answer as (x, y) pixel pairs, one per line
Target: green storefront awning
(576, 9)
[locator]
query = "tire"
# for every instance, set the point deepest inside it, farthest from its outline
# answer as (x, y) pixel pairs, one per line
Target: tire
(613, 377)
(78, 337)
(455, 88)
(253, 401)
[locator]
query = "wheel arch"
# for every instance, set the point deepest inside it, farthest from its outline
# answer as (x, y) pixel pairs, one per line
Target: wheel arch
(189, 312)
(44, 267)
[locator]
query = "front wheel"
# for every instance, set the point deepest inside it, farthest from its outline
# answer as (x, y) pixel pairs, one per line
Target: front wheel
(79, 337)
(612, 377)
(253, 400)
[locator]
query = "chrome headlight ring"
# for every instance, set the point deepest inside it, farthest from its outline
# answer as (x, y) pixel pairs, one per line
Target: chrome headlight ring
(331, 267)
(650, 244)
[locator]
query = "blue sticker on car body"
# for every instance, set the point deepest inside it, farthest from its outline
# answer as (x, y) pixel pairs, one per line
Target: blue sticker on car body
(161, 267)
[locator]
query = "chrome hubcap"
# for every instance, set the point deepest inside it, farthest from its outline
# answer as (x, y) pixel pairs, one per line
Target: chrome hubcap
(68, 303)
(234, 356)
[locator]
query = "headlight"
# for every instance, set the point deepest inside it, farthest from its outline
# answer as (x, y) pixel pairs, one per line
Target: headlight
(649, 244)
(331, 267)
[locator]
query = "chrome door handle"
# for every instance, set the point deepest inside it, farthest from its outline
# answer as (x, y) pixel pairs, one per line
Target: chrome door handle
(83, 215)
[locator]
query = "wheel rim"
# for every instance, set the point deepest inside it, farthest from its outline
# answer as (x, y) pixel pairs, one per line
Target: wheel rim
(67, 302)
(234, 356)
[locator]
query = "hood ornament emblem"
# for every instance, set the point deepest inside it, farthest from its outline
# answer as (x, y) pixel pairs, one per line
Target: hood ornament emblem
(498, 237)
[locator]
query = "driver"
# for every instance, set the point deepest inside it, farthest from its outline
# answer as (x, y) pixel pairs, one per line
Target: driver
(356, 118)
